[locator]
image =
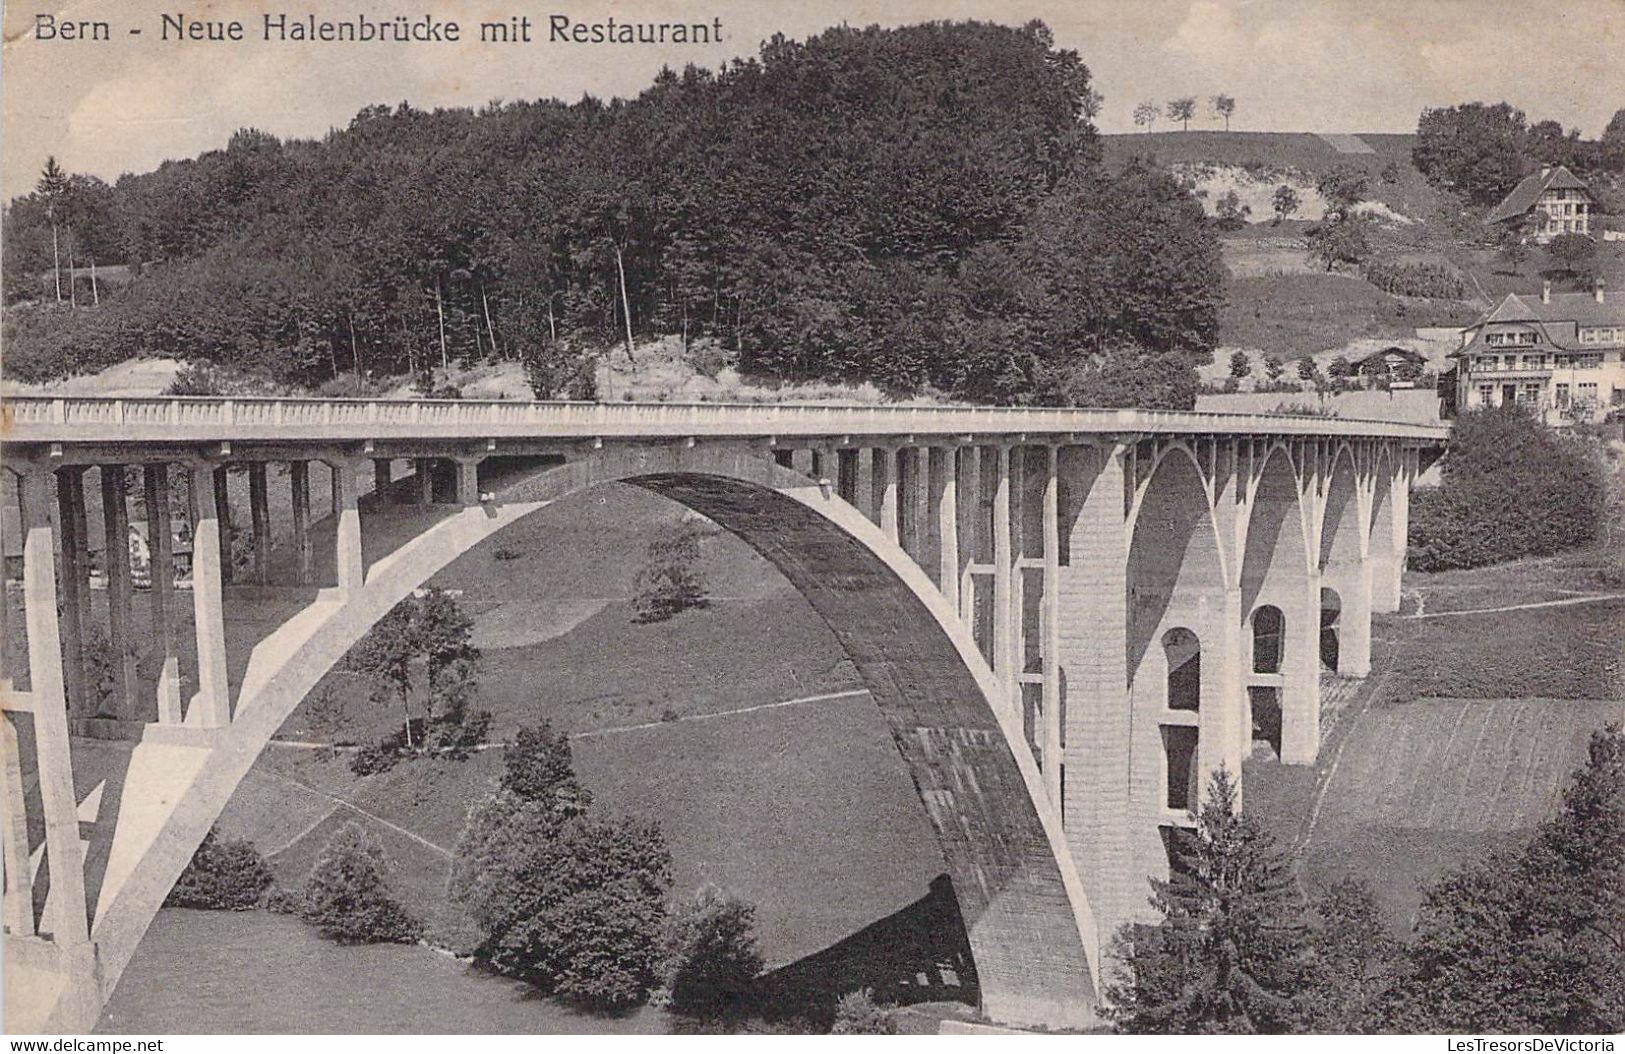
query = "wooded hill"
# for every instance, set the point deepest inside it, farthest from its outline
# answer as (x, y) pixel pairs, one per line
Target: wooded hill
(924, 207)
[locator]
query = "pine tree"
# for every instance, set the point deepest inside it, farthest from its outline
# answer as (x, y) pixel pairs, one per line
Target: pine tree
(1227, 956)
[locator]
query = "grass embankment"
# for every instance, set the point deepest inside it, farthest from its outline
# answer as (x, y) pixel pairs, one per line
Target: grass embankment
(1465, 733)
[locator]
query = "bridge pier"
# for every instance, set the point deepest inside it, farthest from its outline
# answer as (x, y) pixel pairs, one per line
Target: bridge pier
(70, 494)
(116, 560)
(211, 706)
(299, 484)
(161, 570)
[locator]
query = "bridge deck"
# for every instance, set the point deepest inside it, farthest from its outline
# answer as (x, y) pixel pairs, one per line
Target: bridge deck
(34, 419)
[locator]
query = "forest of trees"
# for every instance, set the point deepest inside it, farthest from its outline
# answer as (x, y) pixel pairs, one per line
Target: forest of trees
(924, 207)
(1481, 152)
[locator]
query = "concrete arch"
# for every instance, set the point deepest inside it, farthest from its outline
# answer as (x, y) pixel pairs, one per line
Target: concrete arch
(1275, 557)
(1176, 569)
(1032, 933)
(1342, 535)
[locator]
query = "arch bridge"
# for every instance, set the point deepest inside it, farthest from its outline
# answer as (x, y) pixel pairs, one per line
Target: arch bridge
(1068, 618)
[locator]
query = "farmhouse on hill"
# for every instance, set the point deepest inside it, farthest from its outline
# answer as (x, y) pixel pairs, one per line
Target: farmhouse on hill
(1562, 198)
(1562, 355)
(1399, 366)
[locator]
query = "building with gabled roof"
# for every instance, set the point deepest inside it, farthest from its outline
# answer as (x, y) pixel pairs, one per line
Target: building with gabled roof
(1561, 354)
(1562, 198)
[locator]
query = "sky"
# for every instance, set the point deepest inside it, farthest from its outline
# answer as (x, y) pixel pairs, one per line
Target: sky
(129, 103)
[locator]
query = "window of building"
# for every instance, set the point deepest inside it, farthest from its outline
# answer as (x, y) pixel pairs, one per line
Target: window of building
(1529, 394)
(1486, 395)
(1562, 395)
(1534, 362)
(1588, 392)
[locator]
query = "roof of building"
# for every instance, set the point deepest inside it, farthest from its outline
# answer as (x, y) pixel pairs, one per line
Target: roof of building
(1582, 308)
(1560, 310)
(1394, 349)
(1530, 188)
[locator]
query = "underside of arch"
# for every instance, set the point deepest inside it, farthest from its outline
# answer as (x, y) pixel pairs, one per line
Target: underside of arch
(1031, 932)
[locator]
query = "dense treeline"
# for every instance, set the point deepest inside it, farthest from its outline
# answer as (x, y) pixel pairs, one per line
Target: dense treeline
(1481, 152)
(922, 206)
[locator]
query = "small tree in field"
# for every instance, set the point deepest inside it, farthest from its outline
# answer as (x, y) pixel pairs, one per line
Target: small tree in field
(1339, 240)
(1285, 203)
(1227, 955)
(1240, 365)
(1146, 114)
(1182, 110)
(1273, 367)
(1307, 370)
(1575, 254)
(1224, 106)
(1340, 367)
(348, 897)
(709, 958)
(669, 582)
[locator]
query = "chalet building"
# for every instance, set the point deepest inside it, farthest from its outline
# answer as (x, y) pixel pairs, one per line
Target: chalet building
(1561, 198)
(1562, 355)
(1399, 367)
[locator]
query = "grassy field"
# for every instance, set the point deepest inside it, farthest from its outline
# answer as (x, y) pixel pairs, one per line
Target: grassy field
(1463, 737)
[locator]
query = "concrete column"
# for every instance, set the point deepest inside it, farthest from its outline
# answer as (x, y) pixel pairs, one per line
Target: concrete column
(886, 481)
(347, 539)
(423, 481)
(161, 548)
(970, 516)
(211, 707)
(19, 897)
(380, 480)
(1300, 676)
(1353, 584)
(222, 509)
(911, 494)
(120, 619)
(1093, 657)
(299, 481)
(1051, 623)
(865, 489)
(1225, 731)
(1004, 658)
(945, 493)
(468, 481)
(70, 497)
(925, 527)
(259, 506)
(65, 913)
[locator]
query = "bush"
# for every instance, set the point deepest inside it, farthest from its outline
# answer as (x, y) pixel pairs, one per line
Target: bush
(572, 904)
(857, 1014)
(348, 897)
(537, 767)
(1510, 487)
(668, 582)
(227, 875)
(369, 761)
(709, 958)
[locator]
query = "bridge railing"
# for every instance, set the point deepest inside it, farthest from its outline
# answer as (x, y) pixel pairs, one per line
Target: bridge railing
(37, 418)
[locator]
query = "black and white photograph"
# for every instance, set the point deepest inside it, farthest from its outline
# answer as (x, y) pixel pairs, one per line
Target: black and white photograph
(657, 518)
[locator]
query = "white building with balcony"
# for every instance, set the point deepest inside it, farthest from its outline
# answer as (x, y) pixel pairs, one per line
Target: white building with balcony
(1562, 355)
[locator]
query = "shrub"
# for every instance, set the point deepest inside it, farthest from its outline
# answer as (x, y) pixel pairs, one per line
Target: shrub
(223, 875)
(348, 897)
(369, 761)
(537, 767)
(857, 1014)
(709, 958)
(668, 582)
(1509, 487)
(1415, 279)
